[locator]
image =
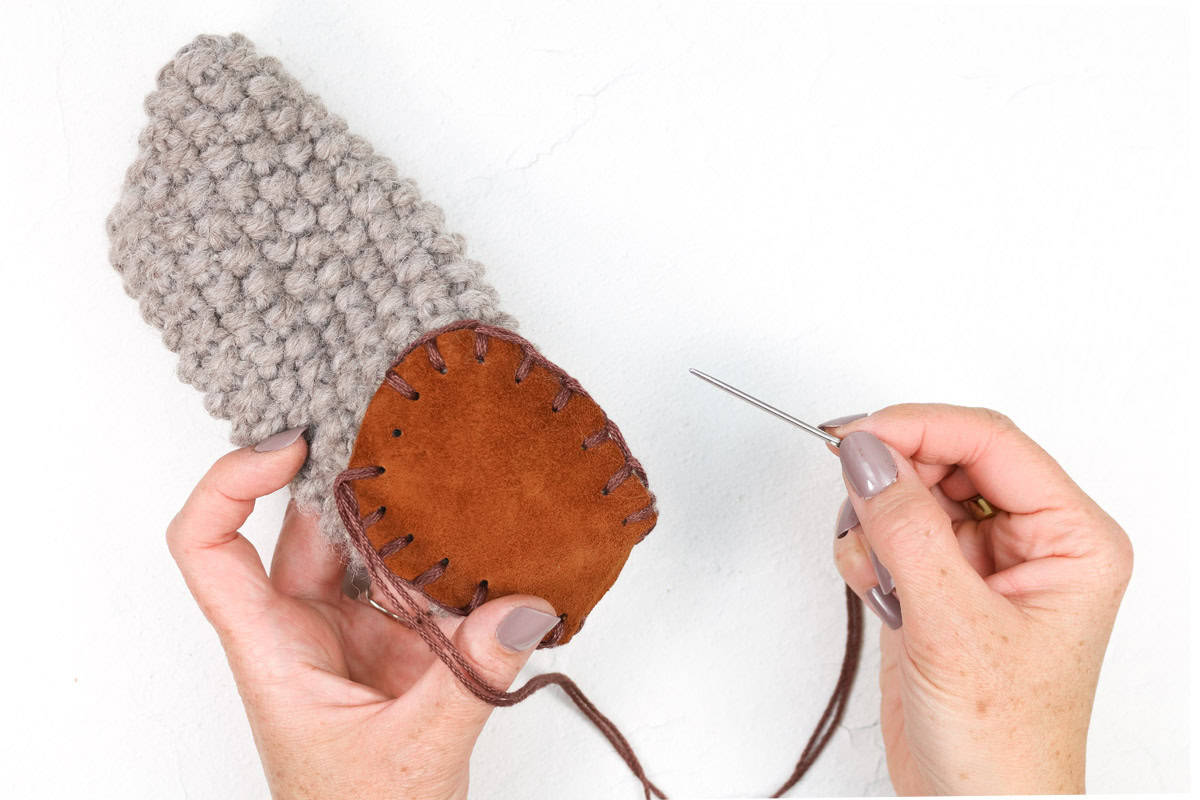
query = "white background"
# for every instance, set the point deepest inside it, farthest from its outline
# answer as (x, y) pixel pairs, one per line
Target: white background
(836, 206)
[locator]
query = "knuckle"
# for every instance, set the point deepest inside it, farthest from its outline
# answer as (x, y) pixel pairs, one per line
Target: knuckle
(996, 419)
(903, 526)
(494, 666)
(852, 563)
(173, 533)
(902, 411)
(842, 558)
(1108, 549)
(847, 555)
(1121, 556)
(491, 662)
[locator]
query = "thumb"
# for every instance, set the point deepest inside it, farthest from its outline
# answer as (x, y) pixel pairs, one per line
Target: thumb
(497, 639)
(222, 569)
(909, 532)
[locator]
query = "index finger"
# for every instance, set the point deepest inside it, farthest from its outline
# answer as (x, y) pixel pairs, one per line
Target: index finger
(1007, 467)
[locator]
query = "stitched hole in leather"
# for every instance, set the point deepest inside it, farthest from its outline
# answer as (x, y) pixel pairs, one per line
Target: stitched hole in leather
(394, 546)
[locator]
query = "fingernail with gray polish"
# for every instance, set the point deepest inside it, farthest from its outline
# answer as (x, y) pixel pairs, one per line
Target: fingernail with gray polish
(886, 584)
(840, 421)
(886, 607)
(846, 519)
(280, 440)
(524, 627)
(867, 463)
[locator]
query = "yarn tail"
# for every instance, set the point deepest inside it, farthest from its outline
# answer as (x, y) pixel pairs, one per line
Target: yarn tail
(836, 707)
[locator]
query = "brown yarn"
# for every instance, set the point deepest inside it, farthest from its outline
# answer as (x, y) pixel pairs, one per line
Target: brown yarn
(410, 613)
(836, 707)
(413, 612)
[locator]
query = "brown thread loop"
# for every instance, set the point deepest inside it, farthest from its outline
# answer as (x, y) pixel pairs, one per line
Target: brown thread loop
(642, 513)
(620, 476)
(479, 598)
(569, 387)
(432, 574)
(395, 546)
(435, 356)
(596, 438)
(557, 631)
(611, 433)
(400, 385)
(373, 517)
(560, 399)
(614, 433)
(526, 365)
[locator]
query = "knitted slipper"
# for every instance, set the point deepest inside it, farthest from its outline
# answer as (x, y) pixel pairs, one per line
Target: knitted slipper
(302, 282)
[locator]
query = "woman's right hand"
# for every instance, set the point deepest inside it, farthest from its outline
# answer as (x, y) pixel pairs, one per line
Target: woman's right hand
(996, 628)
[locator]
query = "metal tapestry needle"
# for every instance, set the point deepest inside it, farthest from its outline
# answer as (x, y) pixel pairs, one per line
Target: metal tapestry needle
(770, 409)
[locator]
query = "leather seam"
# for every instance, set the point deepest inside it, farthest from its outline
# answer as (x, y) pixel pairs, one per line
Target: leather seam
(347, 502)
(569, 386)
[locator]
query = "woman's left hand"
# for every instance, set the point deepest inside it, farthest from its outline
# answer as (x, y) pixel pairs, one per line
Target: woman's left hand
(342, 701)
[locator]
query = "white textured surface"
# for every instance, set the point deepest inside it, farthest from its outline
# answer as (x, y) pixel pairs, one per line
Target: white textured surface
(836, 206)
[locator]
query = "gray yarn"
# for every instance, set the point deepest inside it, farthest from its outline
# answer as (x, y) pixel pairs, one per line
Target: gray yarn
(282, 258)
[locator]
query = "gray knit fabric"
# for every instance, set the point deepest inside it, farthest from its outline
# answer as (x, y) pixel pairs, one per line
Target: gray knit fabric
(282, 258)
